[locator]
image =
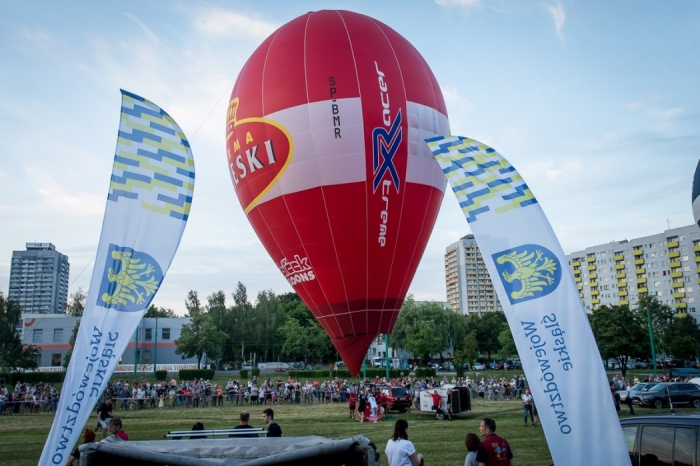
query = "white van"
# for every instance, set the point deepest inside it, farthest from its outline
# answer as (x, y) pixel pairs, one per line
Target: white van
(273, 366)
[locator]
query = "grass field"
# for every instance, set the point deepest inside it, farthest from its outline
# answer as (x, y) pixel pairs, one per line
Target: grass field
(442, 442)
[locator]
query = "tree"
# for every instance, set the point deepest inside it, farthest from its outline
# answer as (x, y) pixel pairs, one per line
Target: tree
(201, 335)
(71, 341)
(76, 305)
(13, 354)
(301, 335)
(469, 350)
(620, 333)
(662, 316)
(505, 338)
(192, 303)
(488, 328)
(684, 337)
(154, 311)
(423, 329)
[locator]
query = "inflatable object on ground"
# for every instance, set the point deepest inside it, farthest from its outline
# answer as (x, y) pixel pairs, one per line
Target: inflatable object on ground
(324, 140)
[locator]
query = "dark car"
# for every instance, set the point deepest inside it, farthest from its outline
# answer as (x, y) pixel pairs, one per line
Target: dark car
(679, 393)
(662, 439)
(397, 398)
(640, 388)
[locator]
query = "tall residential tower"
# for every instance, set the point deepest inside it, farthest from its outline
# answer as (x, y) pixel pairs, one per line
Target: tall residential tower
(39, 279)
(469, 286)
(665, 265)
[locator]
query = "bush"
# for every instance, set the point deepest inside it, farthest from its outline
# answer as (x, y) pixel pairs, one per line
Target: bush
(161, 375)
(256, 371)
(424, 372)
(243, 373)
(11, 378)
(190, 374)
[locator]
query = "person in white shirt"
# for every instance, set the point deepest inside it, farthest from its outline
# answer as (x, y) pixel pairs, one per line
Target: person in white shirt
(399, 450)
(527, 407)
(373, 404)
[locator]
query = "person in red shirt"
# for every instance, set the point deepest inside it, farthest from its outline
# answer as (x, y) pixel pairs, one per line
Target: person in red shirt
(353, 397)
(494, 450)
(437, 399)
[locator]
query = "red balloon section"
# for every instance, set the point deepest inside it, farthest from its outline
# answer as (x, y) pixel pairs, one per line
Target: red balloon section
(324, 140)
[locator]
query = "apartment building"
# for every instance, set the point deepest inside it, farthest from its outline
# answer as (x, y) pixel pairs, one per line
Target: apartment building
(39, 279)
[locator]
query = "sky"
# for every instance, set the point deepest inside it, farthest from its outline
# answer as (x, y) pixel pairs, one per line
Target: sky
(596, 104)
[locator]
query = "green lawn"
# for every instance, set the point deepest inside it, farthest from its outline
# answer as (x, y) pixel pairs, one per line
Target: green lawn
(442, 442)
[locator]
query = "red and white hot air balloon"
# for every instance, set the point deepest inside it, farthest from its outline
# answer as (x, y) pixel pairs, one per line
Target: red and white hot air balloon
(324, 140)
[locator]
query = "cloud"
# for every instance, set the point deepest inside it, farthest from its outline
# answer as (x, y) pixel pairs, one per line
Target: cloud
(556, 12)
(57, 200)
(143, 27)
(666, 114)
(219, 22)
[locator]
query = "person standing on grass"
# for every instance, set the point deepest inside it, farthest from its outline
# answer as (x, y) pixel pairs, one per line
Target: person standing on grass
(243, 424)
(273, 429)
(527, 407)
(628, 397)
(399, 450)
(104, 416)
(373, 405)
(351, 403)
(496, 450)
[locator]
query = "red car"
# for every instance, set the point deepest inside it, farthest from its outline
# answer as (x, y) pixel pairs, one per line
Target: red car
(396, 398)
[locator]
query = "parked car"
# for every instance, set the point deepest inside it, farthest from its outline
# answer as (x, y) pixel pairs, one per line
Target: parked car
(479, 367)
(640, 388)
(397, 398)
(435, 366)
(651, 439)
(448, 366)
(680, 393)
(339, 365)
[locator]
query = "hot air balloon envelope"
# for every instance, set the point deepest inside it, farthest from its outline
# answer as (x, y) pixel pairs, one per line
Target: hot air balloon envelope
(325, 132)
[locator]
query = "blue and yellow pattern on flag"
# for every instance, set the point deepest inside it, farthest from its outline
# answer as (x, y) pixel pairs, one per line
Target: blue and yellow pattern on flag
(153, 163)
(482, 179)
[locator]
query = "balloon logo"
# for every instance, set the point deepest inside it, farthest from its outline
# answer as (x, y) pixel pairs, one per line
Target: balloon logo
(325, 151)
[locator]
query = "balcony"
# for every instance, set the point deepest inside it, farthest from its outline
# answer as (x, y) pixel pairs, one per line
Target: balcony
(680, 305)
(590, 259)
(674, 254)
(595, 301)
(619, 257)
(676, 274)
(577, 271)
(591, 267)
(677, 285)
(638, 252)
(592, 275)
(641, 271)
(675, 265)
(577, 279)
(679, 295)
(642, 290)
(579, 286)
(622, 293)
(619, 266)
(620, 275)
(594, 293)
(622, 285)
(624, 302)
(641, 280)
(696, 248)
(639, 262)
(577, 263)
(672, 244)
(594, 284)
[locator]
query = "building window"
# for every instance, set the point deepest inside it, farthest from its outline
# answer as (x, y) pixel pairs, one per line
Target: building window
(55, 359)
(57, 335)
(166, 334)
(148, 334)
(38, 335)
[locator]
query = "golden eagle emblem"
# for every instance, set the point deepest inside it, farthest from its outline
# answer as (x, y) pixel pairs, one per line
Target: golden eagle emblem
(526, 274)
(131, 281)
